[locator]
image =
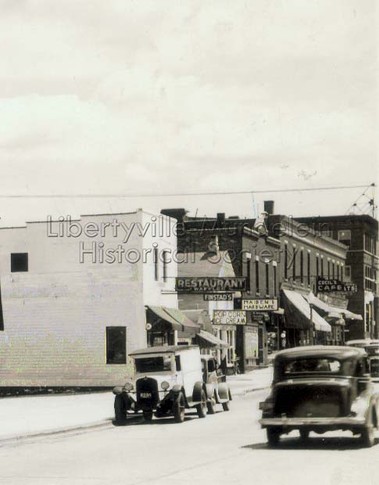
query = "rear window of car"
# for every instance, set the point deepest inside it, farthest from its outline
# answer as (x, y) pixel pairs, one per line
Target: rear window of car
(153, 364)
(312, 366)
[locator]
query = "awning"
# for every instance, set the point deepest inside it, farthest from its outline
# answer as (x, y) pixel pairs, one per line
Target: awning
(298, 313)
(175, 317)
(330, 310)
(212, 339)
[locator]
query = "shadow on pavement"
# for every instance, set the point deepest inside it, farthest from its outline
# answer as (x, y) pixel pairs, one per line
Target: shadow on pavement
(313, 443)
(138, 420)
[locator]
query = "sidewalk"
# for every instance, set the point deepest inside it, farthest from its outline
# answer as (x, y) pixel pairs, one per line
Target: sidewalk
(28, 416)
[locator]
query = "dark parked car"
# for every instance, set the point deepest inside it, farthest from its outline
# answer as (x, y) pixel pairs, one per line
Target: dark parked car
(321, 388)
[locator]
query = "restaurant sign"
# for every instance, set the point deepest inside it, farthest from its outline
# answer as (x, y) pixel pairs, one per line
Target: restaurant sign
(229, 317)
(209, 284)
(260, 304)
(326, 285)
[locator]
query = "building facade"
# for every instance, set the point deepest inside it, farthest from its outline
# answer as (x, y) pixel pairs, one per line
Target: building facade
(74, 296)
(360, 235)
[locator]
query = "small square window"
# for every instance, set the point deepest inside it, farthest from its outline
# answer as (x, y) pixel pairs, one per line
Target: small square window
(19, 262)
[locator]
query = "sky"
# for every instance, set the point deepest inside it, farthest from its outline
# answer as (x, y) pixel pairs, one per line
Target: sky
(161, 97)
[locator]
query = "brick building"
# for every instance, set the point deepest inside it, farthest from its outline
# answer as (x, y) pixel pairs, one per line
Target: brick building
(360, 234)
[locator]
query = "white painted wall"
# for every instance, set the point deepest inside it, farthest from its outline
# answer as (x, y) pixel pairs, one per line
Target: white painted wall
(56, 314)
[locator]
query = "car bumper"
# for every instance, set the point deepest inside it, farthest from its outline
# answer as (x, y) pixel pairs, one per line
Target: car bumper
(296, 423)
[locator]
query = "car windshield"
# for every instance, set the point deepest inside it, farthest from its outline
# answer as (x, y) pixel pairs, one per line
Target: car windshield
(312, 365)
(153, 364)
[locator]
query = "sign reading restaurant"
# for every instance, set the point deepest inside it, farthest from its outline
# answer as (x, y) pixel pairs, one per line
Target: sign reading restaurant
(229, 317)
(209, 284)
(325, 285)
(260, 304)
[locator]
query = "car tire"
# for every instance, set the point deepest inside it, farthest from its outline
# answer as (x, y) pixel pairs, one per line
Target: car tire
(148, 415)
(202, 406)
(119, 410)
(179, 408)
(368, 437)
(273, 436)
(211, 406)
(304, 434)
(226, 406)
(368, 433)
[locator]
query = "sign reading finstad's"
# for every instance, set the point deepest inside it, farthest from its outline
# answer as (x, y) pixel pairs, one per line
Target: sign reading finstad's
(209, 284)
(325, 285)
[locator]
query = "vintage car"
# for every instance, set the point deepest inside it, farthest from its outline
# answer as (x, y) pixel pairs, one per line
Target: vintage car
(321, 388)
(168, 380)
(218, 391)
(372, 349)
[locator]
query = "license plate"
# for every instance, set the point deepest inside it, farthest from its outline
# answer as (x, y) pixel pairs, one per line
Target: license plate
(145, 394)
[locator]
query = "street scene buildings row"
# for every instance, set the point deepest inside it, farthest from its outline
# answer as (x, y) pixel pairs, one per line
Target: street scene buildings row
(77, 296)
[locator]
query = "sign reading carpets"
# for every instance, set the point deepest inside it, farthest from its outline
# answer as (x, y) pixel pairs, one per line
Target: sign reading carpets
(229, 317)
(209, 284)
(260, 304)
(218, 297)
(325, 285)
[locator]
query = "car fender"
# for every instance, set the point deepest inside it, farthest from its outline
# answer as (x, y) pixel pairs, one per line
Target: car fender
(196, 394)
(223, 392)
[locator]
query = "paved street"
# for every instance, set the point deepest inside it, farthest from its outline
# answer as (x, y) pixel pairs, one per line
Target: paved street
(228, 447)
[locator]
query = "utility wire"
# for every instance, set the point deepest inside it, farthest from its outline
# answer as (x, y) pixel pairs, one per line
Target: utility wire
(185, 194)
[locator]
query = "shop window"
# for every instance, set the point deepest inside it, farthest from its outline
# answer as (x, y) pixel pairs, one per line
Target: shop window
(116, 345)
(19, 262)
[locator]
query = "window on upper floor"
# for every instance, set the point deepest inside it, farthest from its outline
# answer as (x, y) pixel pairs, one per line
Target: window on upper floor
(257, 285)
(1, 313)
(19, 262)
(267, 268)
(302, 266)
(165, 265)
(344, 236)
(309, 269)
(156, 263)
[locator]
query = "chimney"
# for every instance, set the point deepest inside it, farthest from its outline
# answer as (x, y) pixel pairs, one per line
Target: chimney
(220, 218)
(268, 206)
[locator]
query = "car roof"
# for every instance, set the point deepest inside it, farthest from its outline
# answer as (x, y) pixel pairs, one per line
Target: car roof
(163, 349)
(326, 351)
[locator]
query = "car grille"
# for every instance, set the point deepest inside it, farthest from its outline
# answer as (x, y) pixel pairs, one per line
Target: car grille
(147, 393)
(311, 401)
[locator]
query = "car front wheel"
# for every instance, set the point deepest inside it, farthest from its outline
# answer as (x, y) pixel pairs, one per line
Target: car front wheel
(119, 410)
(179, 408)
(368, 433)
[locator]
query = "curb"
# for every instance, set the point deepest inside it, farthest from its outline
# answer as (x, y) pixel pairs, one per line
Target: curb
(95, 425)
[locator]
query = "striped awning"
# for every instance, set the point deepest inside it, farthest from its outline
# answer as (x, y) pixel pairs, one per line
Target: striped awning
(299, 314)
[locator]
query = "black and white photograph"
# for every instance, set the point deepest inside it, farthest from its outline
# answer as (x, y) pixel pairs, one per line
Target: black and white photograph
(189, 242)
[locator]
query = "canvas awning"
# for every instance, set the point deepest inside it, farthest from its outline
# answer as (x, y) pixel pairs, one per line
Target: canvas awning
(298, 313)
(175, 317)
(212, 339)
(330, 310)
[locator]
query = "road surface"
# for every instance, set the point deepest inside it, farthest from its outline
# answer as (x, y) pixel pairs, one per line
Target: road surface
(225, 448)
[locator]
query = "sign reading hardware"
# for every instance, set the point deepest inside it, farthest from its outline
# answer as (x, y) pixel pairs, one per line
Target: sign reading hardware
(209, 284)
(260, 304)
(229, 317)
(325, 285)
(218, 297)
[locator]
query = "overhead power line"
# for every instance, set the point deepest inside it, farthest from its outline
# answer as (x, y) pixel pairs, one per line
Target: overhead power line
(178, 194)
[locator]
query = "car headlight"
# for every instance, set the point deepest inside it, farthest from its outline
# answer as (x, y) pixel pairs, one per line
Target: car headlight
(165, 385)
(128, 386)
